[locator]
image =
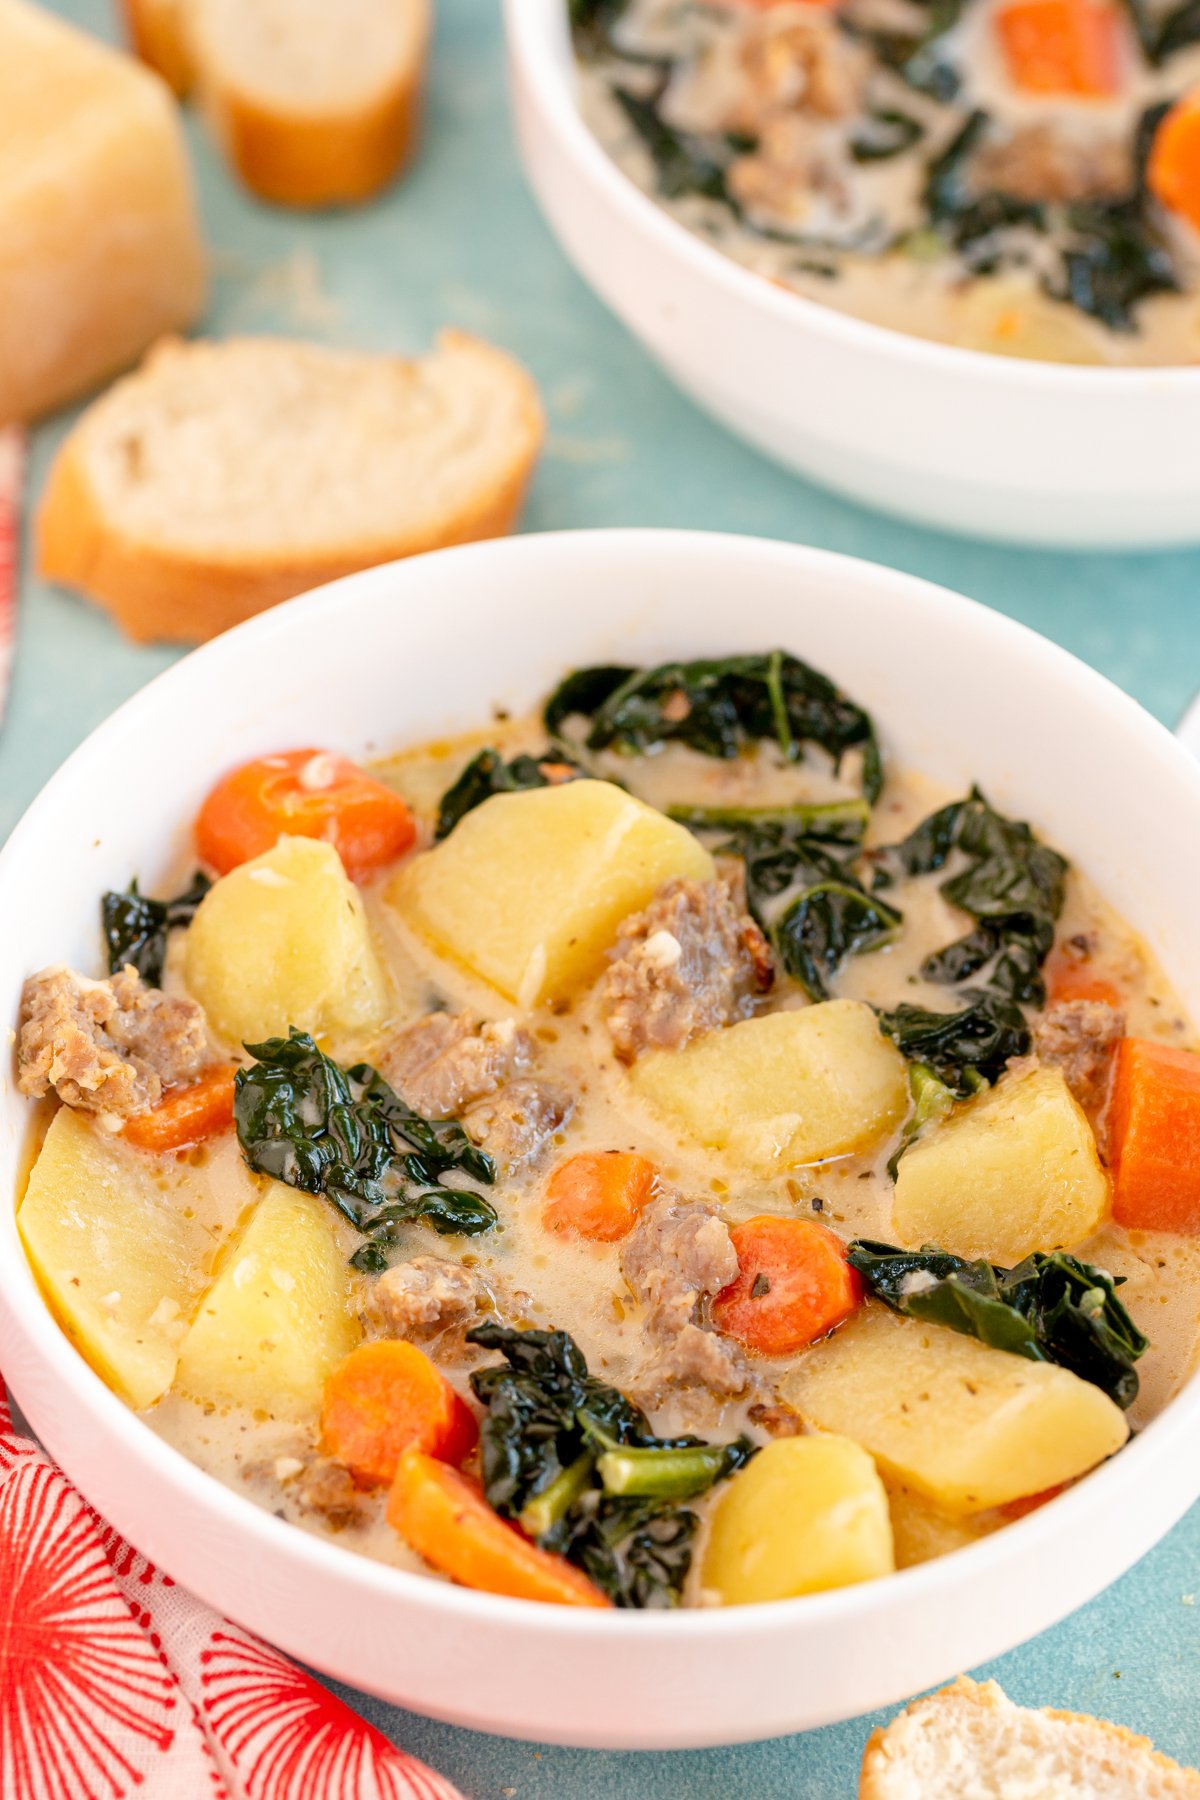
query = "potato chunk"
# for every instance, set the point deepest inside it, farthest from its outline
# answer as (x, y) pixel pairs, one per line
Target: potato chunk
(1014, 1171)
(788, 1088)
(529, 890)
(279, 1316)
(808, 1513)
(117, 1256)
(283, 940)
(969, 1426)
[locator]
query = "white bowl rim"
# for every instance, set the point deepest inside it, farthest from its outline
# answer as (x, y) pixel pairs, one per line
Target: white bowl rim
(644, 215)
(982, 1560)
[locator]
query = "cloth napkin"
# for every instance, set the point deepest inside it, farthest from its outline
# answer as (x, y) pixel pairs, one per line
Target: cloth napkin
(115, 1682)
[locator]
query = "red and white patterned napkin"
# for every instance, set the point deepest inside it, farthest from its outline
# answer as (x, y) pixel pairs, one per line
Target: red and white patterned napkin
(12, 459)
(115, 1682)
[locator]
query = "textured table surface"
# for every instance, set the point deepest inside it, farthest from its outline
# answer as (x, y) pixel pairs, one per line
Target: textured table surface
(461, 243)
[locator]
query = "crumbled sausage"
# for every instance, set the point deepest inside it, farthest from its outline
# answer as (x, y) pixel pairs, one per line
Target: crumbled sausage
(1042, 162)
(776, 1418)
(446, 1060)
(693, 960)
(515, 1124)
(327, 1487)
(420, 1298)
(801, 61)
(678, 1256)
(1079, 1037)
(106, 1046)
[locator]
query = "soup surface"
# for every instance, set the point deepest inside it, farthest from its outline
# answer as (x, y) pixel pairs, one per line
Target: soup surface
(1016, 176)
(652, 1152)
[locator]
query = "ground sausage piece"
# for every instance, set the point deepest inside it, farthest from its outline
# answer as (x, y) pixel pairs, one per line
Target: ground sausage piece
(1079, 1037)
(420, 1298)
(447, 1060)
(1040, 162)
(517, 1122)
(693, 960)
(678, 1255)
(327, 1487)
(106, 1046)
(801, 61)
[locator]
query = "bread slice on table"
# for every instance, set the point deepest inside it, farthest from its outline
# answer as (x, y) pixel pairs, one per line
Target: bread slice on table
(158, 32)
(315, 102)
(970, 1742)
(220, 478)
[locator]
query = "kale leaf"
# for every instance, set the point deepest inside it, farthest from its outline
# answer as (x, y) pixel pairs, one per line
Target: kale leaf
(964, 1048)
(1161, 34)
(965, 218)
(884, 132)
(488, 774)
(575, 1462)
(344, 1133)
(136, 928)
(719, 707)
(1050, 1308)
(1116, 253)
(918, 57)
(683, 161)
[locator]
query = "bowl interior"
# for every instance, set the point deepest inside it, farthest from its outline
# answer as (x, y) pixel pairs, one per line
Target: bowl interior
(417, 650)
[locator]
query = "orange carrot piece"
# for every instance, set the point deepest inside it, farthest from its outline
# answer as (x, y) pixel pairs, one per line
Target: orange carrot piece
(598, 1194)
(793, 1285)
(304, 793)
(1075, 978)
(1062, 46)
(1173, 171)
(188, 1114)
(386, 1397)
(445, 1518)
(1154, 1137)
(1031, 1503)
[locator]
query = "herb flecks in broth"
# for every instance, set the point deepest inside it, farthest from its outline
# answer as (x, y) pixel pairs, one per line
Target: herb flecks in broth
(1050, 1308)
(345, 1134)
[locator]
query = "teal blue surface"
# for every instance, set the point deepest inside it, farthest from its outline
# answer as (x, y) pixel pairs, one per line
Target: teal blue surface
(460, 243)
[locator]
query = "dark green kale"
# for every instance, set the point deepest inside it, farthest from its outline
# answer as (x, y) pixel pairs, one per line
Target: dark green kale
(1048, 1309)
(136, 928)
(344, 1133)
(931, 1101)
(684, 162)
(829, 822)
(963, 217)
(575, 1463)
(719, 707)
(884, 132)
(488, 774)
(964, 1049)
(1162, 34)
(918, 57)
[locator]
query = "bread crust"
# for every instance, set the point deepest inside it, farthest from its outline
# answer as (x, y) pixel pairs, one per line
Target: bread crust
(158, 594)
(334, 158)
(988, 1696)
(157, 31)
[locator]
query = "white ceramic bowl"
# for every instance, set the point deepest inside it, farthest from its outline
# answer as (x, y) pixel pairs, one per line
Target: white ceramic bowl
(424, 647)
(973, 443)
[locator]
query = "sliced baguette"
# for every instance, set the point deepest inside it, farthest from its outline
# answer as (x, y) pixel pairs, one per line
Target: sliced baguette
(970, 1742)
(158, 33)
(315, 103)
(220, 478)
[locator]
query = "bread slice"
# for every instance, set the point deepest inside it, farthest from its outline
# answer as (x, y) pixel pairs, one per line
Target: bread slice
(220, 478)
(969, 1742)
(158, 32)
(316, 102)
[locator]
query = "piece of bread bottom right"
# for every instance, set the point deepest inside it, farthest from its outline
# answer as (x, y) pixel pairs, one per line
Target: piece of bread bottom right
(970, 1742)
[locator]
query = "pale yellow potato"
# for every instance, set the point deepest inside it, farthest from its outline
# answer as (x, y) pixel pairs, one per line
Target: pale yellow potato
(922, 1531)
(808, 1513)
(119, 1260)
(966, 1425)
(279, 1316)
(1015, 1170)
(283, 940)
(784, 1089)
(530, 889)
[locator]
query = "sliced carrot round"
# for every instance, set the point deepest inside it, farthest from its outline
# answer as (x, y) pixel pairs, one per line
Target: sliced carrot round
(444, 1517)
(598, 1194)
(188, 1114)
(1173, 169)
(1062, 46)
(792, 1286)
(385, 1398)
(1154, 1137)
(303, 793)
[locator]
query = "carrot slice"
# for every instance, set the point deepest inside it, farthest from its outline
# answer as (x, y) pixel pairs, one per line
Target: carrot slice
(598, 1194)
(1173, 170)
(793, 1285)
(386, 1397)
(1062, 46)
(1075, 978)
(303, 793)
(445, 1518)
(1154, 1137)
(188, 1114)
